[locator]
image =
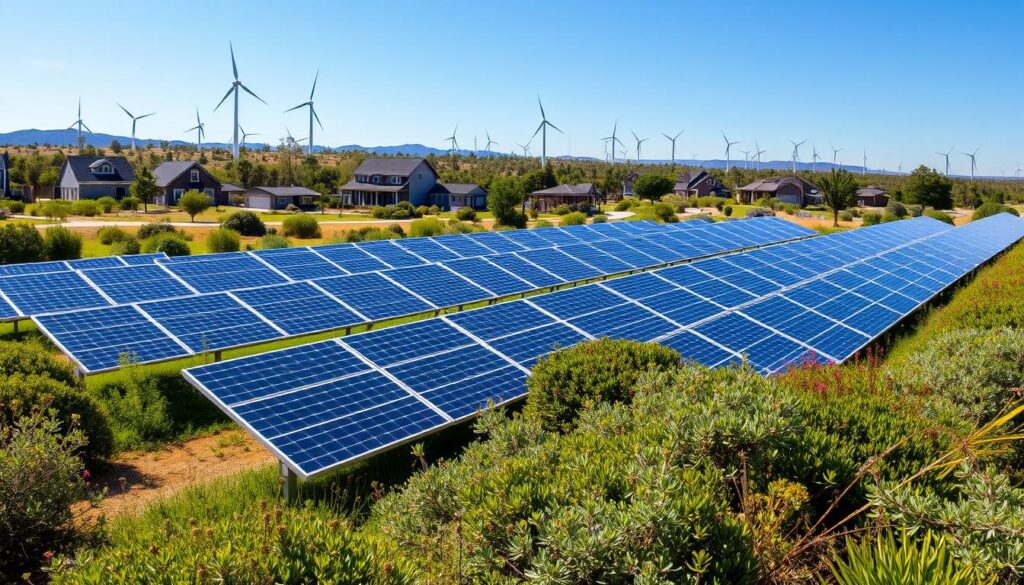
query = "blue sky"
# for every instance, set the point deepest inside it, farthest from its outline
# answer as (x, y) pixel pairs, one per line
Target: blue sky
(900, 79)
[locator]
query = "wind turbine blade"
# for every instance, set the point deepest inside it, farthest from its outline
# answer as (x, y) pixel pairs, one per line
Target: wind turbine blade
(234, 68)
(145, 115)
(192, 128)
(72, 126)
(667, 136)
(87, 129)
(251, 93)
(553, 126)
(312, 91)
(297, 107)
(220, 102)
(542, 115)
(311, 109)
(126, 111)
(536, 132)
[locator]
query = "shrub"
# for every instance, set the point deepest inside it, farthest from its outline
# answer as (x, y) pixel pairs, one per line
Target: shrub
(921, 559)
(273, 241)
(627, 203)
(13, 205)
(107, 204)
(466, 214)
(109, 234)
(457, 227)
(21, 243)
(86, 207)
(223, 240)
(562, 209)
(130, 204)
(34, 358)
(56, 209)
(605, 370)
(62, 243)
(427, 226)
(845, 216)
(193, 203)
(125, 247)
(433, 210)
(292, 208)
(888, 217)
(369, 233)
(423, 210)
(600, 218)
(540, 223)
(246, 223)
(871, 218)
(300, 226)
(915, 210)
(727, 211)
(148, 230)
(896, 208)
(659, 212)
(400, 210)
(169, 243)
(677, 202)
(40, 478)
(574, 218)
(939, 215)
(992, 208)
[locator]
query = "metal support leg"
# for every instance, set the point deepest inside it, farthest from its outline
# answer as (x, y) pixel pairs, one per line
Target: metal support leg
(289, 484)
(16, 326)
(216, 356)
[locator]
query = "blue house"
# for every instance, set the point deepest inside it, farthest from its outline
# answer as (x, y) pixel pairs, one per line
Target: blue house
(92, 177)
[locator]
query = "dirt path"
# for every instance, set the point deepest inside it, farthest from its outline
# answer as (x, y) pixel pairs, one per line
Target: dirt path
(134, 479)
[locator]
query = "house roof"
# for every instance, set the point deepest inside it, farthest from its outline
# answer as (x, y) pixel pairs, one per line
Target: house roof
(286, 191)
(171, 170)
(871, 192)
(374, 187)
(390, 166)
(775, 183)
(82, 168)
(686, 181)
(457, 188)
(229, 188)
(578, 189)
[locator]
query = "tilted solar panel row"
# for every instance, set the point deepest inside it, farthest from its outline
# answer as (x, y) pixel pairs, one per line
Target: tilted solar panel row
(323, 405)
(220, 320)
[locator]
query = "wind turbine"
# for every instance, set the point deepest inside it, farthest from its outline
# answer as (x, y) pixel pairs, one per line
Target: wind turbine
(246, 134)
(292, 138)
(899, 168)
(200, 131)
(728, 150)
(543, 129)
(487, 147)
(526, 149)
(614, 140)
(134, 120)
(234, 90)
(835, 151)
(1019, 170)
(945, 155)
(974, 162)
(758, 154)
(796, 151)
(746, 158)
(864, 166)
(672, 139)
(639, 142)
(814, 159)
(80, 124)
(312, 113)
(453, 143)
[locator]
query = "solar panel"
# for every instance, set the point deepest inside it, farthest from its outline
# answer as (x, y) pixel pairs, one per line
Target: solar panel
(427, 248)
(438, 285)
(490, 276)
(129, 284)
(33, 268)
(50, 292)
(388, 251)
(561, 264)
(374, 296)
(136, 259)
(526, 270)
(300, 263)
(211, 322)
(496, 241)
(226, 274)
(103, 262)
(464, 245)
(299, 308)
(591, 256)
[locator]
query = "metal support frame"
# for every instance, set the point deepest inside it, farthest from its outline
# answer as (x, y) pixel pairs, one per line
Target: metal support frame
(289, 484)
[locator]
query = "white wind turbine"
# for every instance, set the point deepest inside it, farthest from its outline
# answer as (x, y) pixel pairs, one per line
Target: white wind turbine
(134, 120)
(746, 158)
(864, 165)
(487, 147)
(796, 151)
(639, 143)
(614, 140)
(543, 129)
(312, 113)
(758, 152)
(835, 151)
(1019, 170)
(814, 158)
(453, 143)
(80, 124)
(246, 134)
(526, 149)
(200, 131)
(672, 139)
(974, 162)
(728, 150)
(234, 90)
(945, 155)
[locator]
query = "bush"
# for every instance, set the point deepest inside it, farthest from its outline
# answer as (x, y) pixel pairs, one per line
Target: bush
(466, 214)
(574, 218)
(659, 212)
(223, 240)
(62, 243)
(727, 211)
(86, 207)
(871, 218)
(423, 210)
(540, 223)
(427, 226)
(600, 218)
(677, 202)
(992, 208)
(627, 203)
(107, 204)
(433, 210)
(56, 209)
(273, 241)
(40, 479)
(125, 247)
(369, 233)
(457, 227)
(570, 380)
(888, 217)
(193, 203)
(896, 208)
(300, 226)
(939, 215)
(13, 205)
(915, 210)
(400, 210)
(245, 223)
(130, 204)
(169, 243)
(21, 243)
(845, 216)
(148, 230)
(915, 559)
(292, 208)
(109, 234)
(562, 209)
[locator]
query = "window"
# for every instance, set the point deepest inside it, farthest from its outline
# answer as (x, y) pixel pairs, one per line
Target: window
(396, 180)
(376, 179)
(178, 193)
(209, 192)
(195, 176)
(105, 170)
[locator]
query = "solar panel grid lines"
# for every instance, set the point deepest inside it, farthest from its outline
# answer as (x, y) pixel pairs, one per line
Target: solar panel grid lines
(347, 306)
(471, 282)
(173, 337)
(485, 345)
(177, 278)
(271, 267)
(326, 259)
(558, 319)
(258, 315)
(103, 294)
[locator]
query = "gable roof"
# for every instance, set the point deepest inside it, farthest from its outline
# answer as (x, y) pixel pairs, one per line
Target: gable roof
(578, 189)
(82, 168)
(687, 181)
(773, 184)
(171, 170)
(391, 166)
(457, 188)
(286, 191)
(871, 192)
(229, 188)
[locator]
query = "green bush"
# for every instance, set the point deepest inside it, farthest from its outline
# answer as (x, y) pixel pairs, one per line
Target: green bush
(626, 204)
(570, 380)
(915, 210)
(86, 208)
(427, 226)
(600, 218)
(896, 208)
(223, 240)
(107, 204)
(845, 216)
(433, 210)
(562, 210)
(466, 214)
(922, 559)
(727, 211)
(273, 241)
(889, 217)
(13, 205)
(659, 212)
(169, 243)
(370, 233)
(939, 215)
(246, 223)
(148, 230)
(193, 203)
(28, 357)
(56, 209)
(109, 234)
(40, 479)
(871, 218)
(992, 208)
(21, 243)
(540, 223)
(125, 247)
(574, 218)
(400, 210)
(423, 210)
(300, 226)
(130, 204)
(62, 243)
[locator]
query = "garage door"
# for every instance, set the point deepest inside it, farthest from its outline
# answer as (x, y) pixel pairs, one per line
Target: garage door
(258, 201)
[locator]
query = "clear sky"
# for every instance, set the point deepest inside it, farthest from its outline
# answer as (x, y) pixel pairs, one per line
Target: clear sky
(899, 78)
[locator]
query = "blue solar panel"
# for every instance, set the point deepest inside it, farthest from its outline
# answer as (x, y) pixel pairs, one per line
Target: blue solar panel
(129, 284)
(561, 264)
(226, 274)
(389, 252)
(427, 248)
(652, 249)
(625, 253)
(640, 286)
(527, 239)
(720, 292)
(573, 302)
(486, 274)
(432, 371)
(7, 311)
(628, 321)
(103, 262)
(525, 347)
(49, 292)
(591, 256)
(374, 296)
(438, 285)
(210, 322)
(526, 270)
(136, 259)
(33, 268)
(496, 241)
(500, 320)
(696, 349)
(771, 354)
(398, 344)
(464, 245)
(467, 396)
(298, 308)
(734, 331)
(299, 263)
(557, 236)
(351, 258)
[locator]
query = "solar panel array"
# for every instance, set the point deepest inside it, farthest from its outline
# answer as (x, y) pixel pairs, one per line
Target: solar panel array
(322, 405)
(220, 315)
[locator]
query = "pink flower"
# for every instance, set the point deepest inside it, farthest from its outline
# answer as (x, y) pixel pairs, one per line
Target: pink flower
(86, 474)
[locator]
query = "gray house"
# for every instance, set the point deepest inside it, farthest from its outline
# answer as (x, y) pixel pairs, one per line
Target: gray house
(280, 197)
(92, 177)
(177, 177)
(455, 196)
(5, 176)
(384, 181)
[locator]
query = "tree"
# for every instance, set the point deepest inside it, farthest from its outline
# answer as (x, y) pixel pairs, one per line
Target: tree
(504, 201)
(144, 188)
(193, 203)
(838, 191)
(115, 146)
(927, 187)
(653, 187)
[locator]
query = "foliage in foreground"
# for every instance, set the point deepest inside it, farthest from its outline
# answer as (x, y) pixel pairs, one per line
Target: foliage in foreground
(908, 561)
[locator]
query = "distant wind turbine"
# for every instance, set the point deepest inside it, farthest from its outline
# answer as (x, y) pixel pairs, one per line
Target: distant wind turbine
(614, 140)
(292, 138)
(899, 168)
(639, 143)
(526, 149)
(453, 142)
(672, 139)
(543, 129)
(200, 131)
(312, 113)
(796, 151)
(758, 152)
(134, 120)
(487, 147)
(974, 162)
(1019, 170)
(78, 122)
(728, 150)
(246, 134)
(814, 158)
(835, 151)
(234, 90)
(945, 155)
(864, 165)
(746, 158)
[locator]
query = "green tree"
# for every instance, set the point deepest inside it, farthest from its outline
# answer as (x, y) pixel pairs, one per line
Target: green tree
(927, 187)
(653, 187)
(115, 146)
(505, 200)
(838, 191)
(144, 188)
(193, 203)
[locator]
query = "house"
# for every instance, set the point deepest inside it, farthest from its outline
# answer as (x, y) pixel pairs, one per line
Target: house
(280, 197)
(386, 181)
(546, 200)
(699, 184)
(92, 177)
(5, 176)
(176, 177)
(872, 197)
(627, 184)
(230, 192)
(455, 196)
(789, 189)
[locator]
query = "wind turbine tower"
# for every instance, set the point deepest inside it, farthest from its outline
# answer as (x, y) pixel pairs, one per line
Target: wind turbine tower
(80, 124)
(453, 143)
(200, 131)
(134, 120)
(614, 140)
(974, 161)
(312, 113)
(864, 165)
(639, 142)
(487, 147)
(728, 150)
(814, 158)
(672, 139)
(758, 152)
(235, 85)
(246, 134)
(796, 152)
(835, 152)
(543, 129)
